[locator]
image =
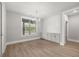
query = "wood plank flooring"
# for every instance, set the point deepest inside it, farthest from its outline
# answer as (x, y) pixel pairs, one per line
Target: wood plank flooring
(42, 48)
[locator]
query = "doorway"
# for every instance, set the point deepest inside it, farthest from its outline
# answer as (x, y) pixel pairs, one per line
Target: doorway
(70, 28)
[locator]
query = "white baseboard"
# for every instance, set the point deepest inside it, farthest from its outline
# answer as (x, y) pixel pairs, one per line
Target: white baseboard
(62, 44)
(51, 40)
(19, 41)
(73, 40)
(3, 50)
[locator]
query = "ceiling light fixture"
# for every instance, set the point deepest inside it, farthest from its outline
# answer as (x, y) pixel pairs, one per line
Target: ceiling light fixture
(74, 11)
(37, 15)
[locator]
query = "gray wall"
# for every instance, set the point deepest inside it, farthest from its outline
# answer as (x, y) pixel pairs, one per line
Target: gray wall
(14, 27)
(73, 28)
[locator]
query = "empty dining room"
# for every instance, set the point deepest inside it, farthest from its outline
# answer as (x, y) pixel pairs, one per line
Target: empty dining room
(39, 29)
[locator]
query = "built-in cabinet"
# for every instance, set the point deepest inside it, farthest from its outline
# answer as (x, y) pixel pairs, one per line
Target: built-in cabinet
(54, 37)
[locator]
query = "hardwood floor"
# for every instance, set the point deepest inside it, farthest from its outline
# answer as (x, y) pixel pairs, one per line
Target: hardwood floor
(42, 48)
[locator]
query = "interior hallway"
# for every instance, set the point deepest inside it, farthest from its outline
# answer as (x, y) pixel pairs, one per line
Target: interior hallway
(42, 48)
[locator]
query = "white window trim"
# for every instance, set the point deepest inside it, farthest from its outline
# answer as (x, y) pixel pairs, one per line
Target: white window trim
(22, 26)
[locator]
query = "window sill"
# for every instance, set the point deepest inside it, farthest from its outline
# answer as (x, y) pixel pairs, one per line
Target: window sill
(27, 35)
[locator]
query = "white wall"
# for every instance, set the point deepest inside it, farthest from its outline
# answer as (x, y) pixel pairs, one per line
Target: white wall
(53, 24)
(73, 30)
(14, 27)
(51, 28)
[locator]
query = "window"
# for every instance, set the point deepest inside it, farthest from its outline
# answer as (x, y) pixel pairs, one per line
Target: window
(29, 26)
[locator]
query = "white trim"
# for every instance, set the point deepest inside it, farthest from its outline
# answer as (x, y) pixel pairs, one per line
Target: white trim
(73, 40)
(70, 10)
(23, 40)
(52, 41)
(3, 27)
(62, 44)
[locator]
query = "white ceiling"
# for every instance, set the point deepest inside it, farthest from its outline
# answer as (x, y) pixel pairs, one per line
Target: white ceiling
(44, 8)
